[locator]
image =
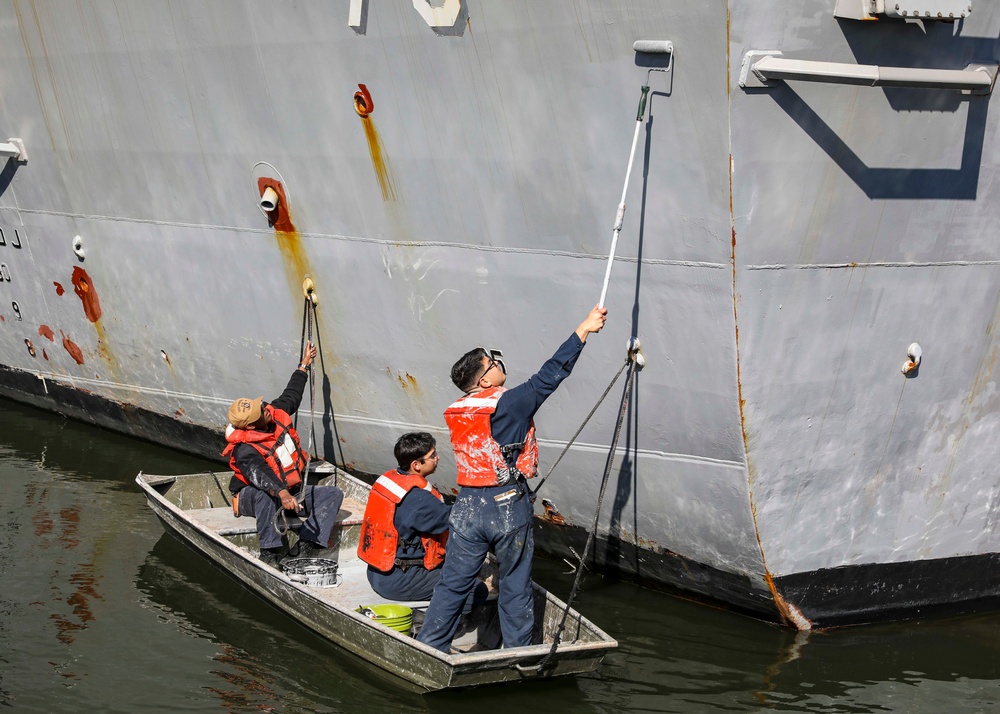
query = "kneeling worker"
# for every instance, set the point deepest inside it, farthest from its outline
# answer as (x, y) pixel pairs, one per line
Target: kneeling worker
(268, 465)
(405, 527)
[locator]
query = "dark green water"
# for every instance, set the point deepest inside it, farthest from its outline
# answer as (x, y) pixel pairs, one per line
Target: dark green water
(100, 611)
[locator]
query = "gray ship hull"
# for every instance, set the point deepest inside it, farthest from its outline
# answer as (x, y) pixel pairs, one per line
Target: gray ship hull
(782, 249)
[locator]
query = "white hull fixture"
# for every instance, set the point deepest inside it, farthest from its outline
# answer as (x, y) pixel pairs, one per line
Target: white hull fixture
(812, 204)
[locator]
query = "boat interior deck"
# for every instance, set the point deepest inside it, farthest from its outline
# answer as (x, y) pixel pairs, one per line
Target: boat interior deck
(223, 522)
(352, 588)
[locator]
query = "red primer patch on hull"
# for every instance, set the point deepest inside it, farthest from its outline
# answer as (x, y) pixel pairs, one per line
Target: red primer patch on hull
(46, 331)
(59, 288)
(74, 349)
(281, 217)
(45, 355)
(84, 289)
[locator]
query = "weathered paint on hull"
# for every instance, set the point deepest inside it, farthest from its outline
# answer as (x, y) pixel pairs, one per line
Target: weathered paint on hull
(781, 250)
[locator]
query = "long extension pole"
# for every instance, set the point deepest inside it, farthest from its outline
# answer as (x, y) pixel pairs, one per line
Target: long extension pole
(620, 216)
(649, 47)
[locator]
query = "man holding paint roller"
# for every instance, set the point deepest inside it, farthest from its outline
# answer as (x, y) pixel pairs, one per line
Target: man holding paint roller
(493, 435)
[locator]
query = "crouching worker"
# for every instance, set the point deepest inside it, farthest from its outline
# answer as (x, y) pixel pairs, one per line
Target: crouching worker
(268, 466)
(405, 528)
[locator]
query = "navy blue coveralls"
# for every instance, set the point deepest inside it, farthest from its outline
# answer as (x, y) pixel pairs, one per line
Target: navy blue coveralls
(492, 517)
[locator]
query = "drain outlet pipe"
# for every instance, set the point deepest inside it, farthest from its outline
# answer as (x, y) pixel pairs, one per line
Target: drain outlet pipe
(269, 200)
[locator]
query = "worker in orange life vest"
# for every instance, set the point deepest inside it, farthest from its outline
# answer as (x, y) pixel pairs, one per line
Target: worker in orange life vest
(268, 465)
(405, 528)
(493, 435)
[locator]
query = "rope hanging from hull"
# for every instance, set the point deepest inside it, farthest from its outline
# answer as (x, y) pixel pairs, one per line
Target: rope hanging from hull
(282, 523)
(633, 362)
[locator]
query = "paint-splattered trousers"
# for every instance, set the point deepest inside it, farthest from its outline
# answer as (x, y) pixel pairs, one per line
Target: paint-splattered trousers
(494, 518)
(321, 503)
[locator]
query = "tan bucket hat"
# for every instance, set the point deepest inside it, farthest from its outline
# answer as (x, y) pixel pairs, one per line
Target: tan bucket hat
(245, 411)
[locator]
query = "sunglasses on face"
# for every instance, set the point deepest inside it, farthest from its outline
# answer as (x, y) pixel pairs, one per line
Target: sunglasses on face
(495, 360)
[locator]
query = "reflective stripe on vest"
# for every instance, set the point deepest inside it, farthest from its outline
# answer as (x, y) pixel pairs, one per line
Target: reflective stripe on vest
(398, 491)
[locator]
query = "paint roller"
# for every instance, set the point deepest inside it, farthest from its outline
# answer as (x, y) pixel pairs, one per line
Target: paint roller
(649, 47)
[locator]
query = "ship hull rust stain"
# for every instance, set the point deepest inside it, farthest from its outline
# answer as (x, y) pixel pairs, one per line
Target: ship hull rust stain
(364, 105)
(552, 514)
(83, 286)
(46, 331)
(293, 253)
(383, 173)
(407, 382)
(294, 258)
(791, 614)
(72, 348)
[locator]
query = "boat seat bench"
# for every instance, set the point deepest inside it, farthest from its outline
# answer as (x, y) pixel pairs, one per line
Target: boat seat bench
(222, 521)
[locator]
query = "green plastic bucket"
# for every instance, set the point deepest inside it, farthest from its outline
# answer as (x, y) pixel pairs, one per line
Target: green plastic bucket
(398, 617)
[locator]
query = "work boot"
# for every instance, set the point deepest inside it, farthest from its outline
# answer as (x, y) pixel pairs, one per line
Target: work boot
(308, 549)
(271, 556)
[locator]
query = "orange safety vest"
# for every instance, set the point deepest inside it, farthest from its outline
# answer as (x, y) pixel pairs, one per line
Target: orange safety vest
(280, 448)
(478, 457)
(379, 537)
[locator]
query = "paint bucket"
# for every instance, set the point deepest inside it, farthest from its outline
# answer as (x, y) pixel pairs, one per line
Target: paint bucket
(313, 572)
(398, 617)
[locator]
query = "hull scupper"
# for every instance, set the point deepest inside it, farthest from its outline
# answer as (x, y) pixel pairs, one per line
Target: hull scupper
(447, 175)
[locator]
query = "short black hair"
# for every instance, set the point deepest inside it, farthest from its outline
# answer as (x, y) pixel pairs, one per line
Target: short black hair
(466, 372)
(411, 447)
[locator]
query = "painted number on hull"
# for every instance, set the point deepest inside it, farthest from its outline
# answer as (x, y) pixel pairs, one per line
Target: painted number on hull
(434, 12)
(15, 241)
